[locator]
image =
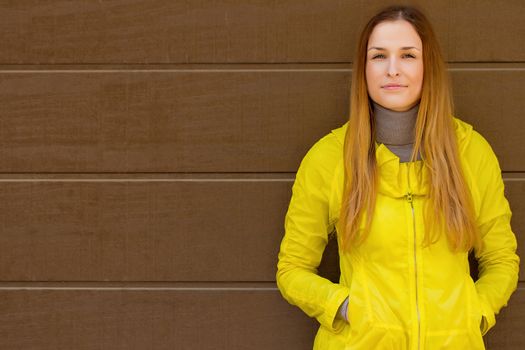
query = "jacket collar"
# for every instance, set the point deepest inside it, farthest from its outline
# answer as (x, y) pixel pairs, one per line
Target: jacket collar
(394, 177)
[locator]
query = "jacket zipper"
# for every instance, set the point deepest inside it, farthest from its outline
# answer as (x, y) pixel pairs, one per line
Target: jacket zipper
(409, 198)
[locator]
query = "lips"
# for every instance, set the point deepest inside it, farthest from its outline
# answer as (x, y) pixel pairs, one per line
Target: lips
(393, 85)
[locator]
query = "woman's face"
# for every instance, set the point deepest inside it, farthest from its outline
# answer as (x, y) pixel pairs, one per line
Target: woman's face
(394, 56)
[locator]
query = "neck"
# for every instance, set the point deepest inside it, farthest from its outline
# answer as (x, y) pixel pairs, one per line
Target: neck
(393, 127)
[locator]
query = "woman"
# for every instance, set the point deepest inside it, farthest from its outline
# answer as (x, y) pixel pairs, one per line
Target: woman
(410, 190)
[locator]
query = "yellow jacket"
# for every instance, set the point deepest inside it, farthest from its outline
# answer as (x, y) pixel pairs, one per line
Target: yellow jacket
(401, 296)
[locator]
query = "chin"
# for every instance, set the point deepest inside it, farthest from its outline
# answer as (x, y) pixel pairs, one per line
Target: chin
(397, 106)
(392, 106)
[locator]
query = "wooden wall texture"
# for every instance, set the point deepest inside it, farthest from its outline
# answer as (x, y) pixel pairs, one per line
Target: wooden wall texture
(148, 149)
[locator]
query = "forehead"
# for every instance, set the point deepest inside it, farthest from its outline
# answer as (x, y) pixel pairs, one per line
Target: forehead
(394, 34)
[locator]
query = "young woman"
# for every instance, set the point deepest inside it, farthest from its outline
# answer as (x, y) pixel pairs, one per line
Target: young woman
(410, 190)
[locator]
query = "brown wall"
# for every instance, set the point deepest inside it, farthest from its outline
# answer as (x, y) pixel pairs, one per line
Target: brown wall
(148, 149)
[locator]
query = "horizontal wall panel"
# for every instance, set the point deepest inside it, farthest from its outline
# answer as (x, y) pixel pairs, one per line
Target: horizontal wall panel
(211, 121)
(151, 319)
(165, 121)
(141, 231)
(206, 318)
(238, 31)
(165, 230)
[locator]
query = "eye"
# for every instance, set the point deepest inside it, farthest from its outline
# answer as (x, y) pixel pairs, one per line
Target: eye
(382, 56)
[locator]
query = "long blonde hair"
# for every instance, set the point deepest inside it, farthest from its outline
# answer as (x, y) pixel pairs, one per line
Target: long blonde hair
(435, 136)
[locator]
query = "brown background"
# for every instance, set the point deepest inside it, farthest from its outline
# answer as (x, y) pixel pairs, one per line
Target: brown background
(148, 149)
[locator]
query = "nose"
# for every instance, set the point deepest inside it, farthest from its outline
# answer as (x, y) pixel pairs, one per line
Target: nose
(392, 68)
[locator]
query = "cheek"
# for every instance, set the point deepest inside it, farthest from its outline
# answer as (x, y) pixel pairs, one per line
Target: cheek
(418, 75)
(371, 75)
(414, 75)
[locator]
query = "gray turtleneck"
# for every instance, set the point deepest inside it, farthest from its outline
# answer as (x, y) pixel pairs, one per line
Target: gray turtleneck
(396, 129)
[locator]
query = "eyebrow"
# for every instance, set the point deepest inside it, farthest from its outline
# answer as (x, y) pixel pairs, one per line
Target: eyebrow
(403, 48)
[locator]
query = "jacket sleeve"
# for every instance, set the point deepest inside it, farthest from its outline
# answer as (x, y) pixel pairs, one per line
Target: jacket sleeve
(498, 263)
(306, 227)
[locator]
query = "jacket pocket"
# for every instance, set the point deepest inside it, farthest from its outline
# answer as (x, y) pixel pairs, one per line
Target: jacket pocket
(364, 332)
(357, 305)
(476, 313)
(461, 324)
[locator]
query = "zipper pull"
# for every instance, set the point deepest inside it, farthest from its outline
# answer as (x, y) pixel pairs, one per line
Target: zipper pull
(409, 197)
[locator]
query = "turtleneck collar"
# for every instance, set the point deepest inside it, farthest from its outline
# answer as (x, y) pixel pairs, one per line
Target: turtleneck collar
(393, 127)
